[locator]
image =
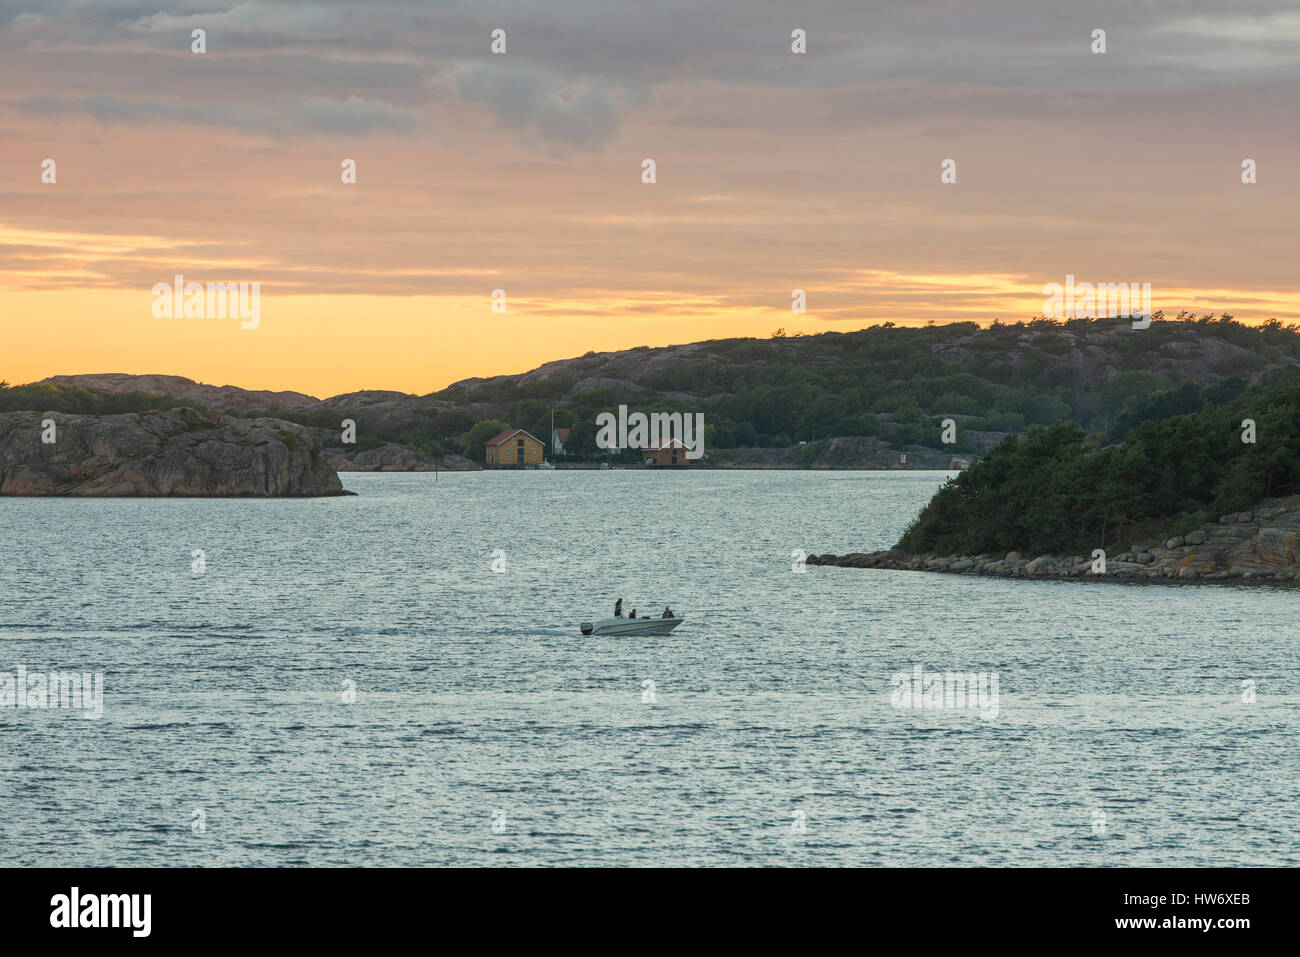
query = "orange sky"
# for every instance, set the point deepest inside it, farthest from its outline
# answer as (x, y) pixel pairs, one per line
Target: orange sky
(523, 172)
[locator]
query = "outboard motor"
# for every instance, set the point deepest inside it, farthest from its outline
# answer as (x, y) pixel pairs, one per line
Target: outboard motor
(586, 628)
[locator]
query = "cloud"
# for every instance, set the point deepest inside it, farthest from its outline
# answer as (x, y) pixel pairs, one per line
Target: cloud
(249, 18)
(1281, 27)
(582, 115)
(1069, 161)
(352, 116)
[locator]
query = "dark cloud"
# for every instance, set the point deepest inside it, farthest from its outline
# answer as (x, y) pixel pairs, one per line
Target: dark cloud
(583, 115)
(576, 69)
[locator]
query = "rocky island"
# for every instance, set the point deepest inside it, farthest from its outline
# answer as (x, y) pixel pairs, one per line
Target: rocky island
(179, 452)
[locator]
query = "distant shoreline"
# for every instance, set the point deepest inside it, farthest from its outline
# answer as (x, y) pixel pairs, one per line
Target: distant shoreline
(595, 467)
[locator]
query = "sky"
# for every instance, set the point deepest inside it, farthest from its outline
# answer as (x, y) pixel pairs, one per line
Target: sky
(522, 171)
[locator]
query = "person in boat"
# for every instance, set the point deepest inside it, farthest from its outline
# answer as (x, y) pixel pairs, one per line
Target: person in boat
(618, 608)
(668, 612)
(633, 615)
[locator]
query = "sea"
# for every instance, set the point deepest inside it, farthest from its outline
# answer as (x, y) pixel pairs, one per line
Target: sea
(398, 678)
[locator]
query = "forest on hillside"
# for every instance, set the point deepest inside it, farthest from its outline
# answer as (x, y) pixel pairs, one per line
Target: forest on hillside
(898, 383)
(1057, 491)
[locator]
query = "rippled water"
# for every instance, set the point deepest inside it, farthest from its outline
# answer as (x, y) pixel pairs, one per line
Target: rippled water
(485, 730)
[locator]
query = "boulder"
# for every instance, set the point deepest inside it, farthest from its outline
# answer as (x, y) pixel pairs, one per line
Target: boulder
(1276, 545)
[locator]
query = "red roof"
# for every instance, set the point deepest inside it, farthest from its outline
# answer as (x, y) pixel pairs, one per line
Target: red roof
(666, 444)
(510, 433)
(563, 434)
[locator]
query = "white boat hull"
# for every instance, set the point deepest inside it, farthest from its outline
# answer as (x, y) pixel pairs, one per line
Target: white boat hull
(631, 626)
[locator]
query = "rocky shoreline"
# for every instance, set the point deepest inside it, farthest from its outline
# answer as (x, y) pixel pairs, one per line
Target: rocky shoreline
(391, 457)
(180, 453)
(1256, 547)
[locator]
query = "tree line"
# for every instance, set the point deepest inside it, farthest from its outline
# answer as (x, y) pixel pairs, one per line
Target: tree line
(1057, 491)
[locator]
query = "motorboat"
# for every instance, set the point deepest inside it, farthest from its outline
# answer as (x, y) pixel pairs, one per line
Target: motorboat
(630, 626)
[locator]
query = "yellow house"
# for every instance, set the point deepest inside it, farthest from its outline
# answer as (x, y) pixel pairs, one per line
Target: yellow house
(666, 453)
(513, 449)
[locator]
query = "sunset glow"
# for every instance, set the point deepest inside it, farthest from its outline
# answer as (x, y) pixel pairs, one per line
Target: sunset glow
(522, 172)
